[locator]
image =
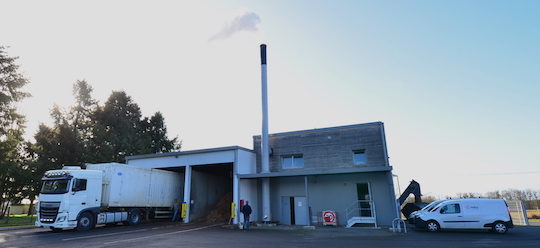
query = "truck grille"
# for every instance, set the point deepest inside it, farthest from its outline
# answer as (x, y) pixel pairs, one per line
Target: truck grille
(48, 211)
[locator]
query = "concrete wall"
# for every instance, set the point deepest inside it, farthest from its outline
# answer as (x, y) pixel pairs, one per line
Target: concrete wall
(206, 190)
(246, 162)
(249, 192)
(336, 192)
(327, 148)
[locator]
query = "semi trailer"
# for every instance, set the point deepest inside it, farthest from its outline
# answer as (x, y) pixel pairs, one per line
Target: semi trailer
(107, 193)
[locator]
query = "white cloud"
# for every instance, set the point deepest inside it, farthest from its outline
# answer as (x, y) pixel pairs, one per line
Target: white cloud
(245, 21)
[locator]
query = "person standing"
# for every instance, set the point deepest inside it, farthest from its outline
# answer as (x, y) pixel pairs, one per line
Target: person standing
(246, 210)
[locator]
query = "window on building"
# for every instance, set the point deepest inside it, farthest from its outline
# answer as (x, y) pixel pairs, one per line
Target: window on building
(292, 162)
(359, 156)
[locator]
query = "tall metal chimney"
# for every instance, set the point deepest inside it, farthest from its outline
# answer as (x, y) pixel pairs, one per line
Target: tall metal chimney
(264, 149)
(265, 159)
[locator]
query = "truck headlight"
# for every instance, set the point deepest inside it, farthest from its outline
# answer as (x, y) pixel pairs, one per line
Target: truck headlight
(61, 219)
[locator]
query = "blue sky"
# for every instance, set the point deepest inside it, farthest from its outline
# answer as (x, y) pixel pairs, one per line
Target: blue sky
(455, 82)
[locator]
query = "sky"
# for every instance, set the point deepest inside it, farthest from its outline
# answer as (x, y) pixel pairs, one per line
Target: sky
(455, 82)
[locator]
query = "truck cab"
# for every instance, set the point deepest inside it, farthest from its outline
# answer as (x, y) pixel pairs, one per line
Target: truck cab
(69, 198)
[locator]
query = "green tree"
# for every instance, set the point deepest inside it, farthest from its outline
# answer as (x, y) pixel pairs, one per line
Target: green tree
(11, 130)
(120, 130)
(119, 125)
(90, 133)
(156, 129)
(81, 115)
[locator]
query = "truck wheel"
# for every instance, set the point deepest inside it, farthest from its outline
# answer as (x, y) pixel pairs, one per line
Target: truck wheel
(134, 217)
(500, 227)
(85, 222)
(433, 226)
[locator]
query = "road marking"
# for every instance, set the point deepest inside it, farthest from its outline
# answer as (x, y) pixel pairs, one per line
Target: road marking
(161, 234)
(48, 233)
(103, 235)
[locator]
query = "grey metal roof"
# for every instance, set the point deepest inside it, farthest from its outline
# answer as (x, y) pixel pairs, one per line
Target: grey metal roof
(324, 129)
(170, 154)
(318, 172)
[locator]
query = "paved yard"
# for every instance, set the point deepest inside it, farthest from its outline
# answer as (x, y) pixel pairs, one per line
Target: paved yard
(202, 235)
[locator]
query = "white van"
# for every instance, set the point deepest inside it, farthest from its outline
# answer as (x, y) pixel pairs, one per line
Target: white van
(473, 213)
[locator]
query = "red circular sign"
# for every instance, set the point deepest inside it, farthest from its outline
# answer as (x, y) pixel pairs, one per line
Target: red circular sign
(329, 217)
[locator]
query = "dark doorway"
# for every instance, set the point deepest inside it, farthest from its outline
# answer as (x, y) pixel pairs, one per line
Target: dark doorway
(291, 204)
(364, 199)
(211, 192)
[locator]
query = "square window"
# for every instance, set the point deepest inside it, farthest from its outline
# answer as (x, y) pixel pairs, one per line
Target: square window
(287, 162)
(298, 162)
(292, 162)
(360, 157)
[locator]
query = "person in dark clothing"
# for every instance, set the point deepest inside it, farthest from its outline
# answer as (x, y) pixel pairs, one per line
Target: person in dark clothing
(246, 210)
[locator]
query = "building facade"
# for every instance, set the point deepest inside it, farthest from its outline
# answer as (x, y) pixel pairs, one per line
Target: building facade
(343, 169)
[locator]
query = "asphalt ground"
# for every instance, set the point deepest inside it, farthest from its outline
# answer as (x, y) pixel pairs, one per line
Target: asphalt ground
(205, 235)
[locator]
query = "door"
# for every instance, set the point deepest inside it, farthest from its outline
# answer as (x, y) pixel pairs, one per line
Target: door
(78, 197)
(300, 211)
(286, 210)
(451, 216)
(294, 210)
(364, 199)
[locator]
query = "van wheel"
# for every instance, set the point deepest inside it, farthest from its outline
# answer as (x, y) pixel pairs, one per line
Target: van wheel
(500, 227)
(85, 222)
(134, 217)
(433, 226)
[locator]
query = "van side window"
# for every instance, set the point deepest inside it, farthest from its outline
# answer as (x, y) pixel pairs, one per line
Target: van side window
(451, 209)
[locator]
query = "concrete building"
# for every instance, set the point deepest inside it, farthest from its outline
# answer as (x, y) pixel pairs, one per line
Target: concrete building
(344, 169)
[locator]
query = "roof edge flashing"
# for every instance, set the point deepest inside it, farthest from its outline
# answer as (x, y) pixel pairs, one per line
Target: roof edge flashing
(323, 129)
(180, 153)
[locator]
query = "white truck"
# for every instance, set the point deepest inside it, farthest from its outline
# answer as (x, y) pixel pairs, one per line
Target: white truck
(107, 193)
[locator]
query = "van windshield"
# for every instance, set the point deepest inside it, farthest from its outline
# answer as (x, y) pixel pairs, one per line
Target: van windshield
(431, 205)
(435, 207)
(58, 186)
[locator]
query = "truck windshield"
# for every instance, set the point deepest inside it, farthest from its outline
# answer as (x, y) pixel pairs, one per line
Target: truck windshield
(59, 186)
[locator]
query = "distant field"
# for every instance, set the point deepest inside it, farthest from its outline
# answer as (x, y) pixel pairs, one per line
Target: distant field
(531, 213)
(18, 220)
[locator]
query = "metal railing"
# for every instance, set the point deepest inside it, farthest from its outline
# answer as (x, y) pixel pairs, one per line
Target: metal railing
(396, 225)
(362, 210)
(518, 213)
